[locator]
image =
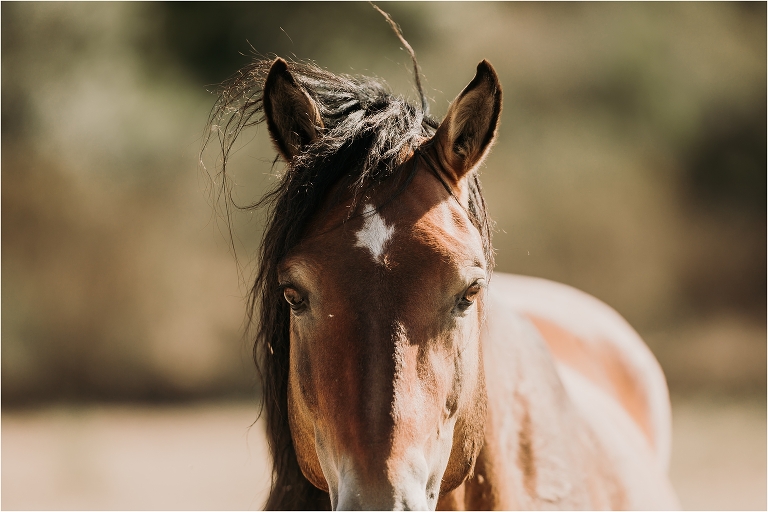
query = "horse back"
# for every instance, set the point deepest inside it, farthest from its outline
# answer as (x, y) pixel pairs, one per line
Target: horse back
(592, 344)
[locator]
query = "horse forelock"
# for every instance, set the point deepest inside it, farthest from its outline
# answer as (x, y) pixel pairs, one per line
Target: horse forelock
(368, 134)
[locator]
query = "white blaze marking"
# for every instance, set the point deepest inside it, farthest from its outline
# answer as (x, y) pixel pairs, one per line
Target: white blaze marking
(374, 234)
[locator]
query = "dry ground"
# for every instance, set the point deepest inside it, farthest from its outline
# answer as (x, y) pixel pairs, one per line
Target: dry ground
(207, 457)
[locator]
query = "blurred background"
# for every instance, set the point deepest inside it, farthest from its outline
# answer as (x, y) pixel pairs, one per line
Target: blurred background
(631, 163)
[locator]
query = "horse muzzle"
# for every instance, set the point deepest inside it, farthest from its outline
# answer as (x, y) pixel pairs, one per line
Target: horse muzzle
(353, 495)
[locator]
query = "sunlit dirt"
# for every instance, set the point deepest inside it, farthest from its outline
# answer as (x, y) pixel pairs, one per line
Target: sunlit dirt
(200, 457)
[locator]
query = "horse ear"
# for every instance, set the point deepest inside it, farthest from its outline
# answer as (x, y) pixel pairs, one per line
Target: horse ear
(292, 116)
(464, 137)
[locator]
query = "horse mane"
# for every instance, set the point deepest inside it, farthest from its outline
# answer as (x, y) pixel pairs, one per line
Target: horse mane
(367, 135)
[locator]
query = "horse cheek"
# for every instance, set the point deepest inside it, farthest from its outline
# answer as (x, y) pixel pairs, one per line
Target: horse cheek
(302, 406)
(469, 431)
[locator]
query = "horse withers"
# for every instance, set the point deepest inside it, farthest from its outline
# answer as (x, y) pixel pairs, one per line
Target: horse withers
(399, 373)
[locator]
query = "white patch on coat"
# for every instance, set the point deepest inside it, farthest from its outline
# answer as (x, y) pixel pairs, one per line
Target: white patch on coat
(374, 234)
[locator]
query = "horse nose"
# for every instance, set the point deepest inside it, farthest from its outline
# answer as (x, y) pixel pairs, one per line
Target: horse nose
(351, 498)
(353, 494)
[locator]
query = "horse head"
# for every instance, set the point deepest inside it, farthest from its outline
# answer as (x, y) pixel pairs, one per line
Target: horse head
(381, 286)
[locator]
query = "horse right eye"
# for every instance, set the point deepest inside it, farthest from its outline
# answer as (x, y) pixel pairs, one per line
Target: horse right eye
(293, 297)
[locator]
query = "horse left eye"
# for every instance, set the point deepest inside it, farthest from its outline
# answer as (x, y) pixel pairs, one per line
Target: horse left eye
(293, 298)
(469, 297)
(471, 293)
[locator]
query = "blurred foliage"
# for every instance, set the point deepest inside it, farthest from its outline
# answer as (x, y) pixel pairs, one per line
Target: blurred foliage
(727, 163)
(724, 182)
(631, 163)
(214, 39)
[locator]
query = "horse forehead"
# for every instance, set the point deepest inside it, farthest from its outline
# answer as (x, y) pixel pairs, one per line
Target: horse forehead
(440, 228)
(443, 228)
(424, 218)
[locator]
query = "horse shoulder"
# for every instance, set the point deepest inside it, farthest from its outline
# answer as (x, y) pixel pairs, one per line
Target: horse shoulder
(580, 387)
(592, 339)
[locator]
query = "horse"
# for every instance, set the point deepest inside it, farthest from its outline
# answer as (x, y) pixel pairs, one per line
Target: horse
(399, 372)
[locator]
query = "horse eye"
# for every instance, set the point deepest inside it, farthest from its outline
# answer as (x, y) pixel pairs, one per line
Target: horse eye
(293, 297)
(471, 294)
(469, 297)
